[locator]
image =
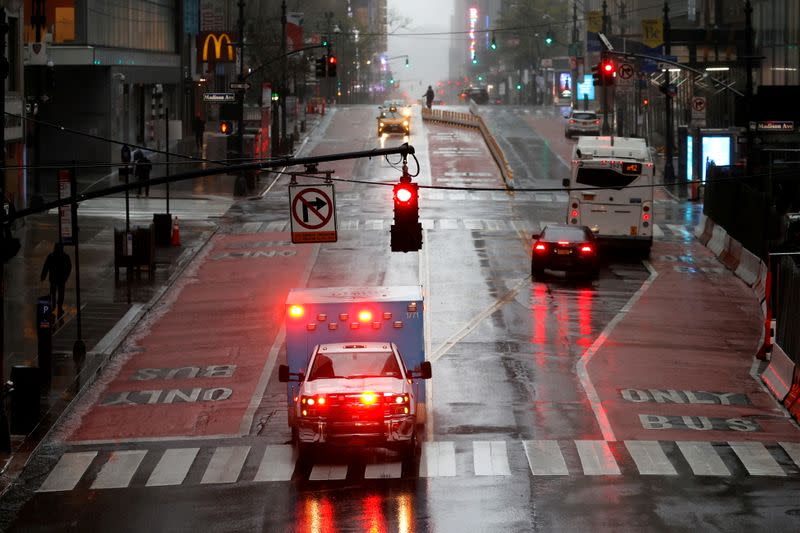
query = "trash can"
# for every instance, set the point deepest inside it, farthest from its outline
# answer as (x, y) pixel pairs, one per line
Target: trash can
(162, 226)
(24, 399)
(44, 332)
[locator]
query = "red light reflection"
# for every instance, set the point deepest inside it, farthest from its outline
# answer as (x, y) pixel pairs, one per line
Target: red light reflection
(317, 516)
(585, 297)
(374, 520)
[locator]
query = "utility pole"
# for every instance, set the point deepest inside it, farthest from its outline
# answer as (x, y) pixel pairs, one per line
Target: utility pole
(284, 78)
(5, 430)
(606, 130)
(748, 88)
(240, 187)
(577, 55)
(669, 171)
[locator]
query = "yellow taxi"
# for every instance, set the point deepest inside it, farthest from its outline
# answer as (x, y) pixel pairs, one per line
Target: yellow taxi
(394, 117)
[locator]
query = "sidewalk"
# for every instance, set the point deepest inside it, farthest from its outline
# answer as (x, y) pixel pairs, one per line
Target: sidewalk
(109, 309)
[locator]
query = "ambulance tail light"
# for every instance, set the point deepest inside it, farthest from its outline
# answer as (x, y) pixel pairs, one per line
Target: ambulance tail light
(399, 404)
(365, 316)
(313, 405)
(296, 311)
(368, 398)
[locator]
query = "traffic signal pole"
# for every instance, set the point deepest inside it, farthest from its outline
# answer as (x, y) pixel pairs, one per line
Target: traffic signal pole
(669, 170)
(5, 430)
(240, 187)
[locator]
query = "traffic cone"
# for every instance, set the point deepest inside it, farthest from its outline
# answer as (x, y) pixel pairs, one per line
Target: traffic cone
(176, 233)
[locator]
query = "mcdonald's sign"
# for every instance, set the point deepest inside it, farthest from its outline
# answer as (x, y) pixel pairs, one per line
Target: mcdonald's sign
(216, 47)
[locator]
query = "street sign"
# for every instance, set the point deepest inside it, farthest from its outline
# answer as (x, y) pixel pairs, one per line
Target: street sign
(699, 110)
(219, 97)
(241, 85)
(312, 213)
(625, 74)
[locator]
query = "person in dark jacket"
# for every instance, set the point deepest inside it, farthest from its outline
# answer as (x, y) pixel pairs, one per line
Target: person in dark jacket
(58, 267)
(429, 95)
(142, 168)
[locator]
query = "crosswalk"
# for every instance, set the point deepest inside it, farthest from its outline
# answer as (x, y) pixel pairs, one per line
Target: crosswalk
(258, 463)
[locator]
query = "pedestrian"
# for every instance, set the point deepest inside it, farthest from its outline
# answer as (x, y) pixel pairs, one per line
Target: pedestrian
(142, 168)
(429, 97)
(58, 267)
(199, 130)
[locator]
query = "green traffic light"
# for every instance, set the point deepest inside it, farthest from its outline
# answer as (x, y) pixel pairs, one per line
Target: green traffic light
(480, 78)
(548, 40)
(475, 60)
(519, 86)
(407, 63)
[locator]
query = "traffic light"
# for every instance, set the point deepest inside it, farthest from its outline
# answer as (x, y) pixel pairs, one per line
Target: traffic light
(331, 66)
(406, 232)
(320, 67)
(325, 40)
(519, 86)
(475, 59)
(645, 102)
(406, 62)
(596, 75)
(548, 39)
(493, 46)
(226, 127)
(608, 71)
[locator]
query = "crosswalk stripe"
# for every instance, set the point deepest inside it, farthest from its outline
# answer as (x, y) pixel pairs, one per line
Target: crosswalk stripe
(225, 465)
(173, 467)
(490, 458)
(276, 225)
(545, 458)
(438, 460)
(473, 224)
(119, 469)
(757, 459)
(596, 458)
(68, 471)
(702, 458)
(675, 228)
(328, 472)
(383, 470)
(650, 458)
(250, 227)
(657, 231)
(792, 449)
(277, 464)
(448, 223)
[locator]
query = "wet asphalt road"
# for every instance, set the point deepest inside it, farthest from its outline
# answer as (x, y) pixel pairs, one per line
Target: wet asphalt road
(504, 352)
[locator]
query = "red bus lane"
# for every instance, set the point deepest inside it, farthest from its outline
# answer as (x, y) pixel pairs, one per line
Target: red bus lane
(460, 158)
(197, 365)
(677, 365)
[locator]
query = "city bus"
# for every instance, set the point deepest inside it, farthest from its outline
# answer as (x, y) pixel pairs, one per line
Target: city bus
(611, 190)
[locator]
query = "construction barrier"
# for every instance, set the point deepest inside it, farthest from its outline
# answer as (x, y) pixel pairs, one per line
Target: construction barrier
(472, 120)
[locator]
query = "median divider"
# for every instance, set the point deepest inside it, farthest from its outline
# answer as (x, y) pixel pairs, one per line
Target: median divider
(473, 120)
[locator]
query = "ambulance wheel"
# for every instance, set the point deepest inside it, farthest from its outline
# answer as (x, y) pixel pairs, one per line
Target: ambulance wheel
(410, 448)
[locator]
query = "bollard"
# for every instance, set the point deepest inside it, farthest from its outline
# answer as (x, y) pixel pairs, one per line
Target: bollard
(24, 399)
(44, 333)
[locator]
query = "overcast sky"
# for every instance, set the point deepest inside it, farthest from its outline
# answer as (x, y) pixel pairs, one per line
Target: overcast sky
(428, 55)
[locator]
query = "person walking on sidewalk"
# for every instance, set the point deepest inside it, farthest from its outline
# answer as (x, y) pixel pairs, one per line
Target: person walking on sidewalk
(429, 95)
(199, 130)
(142, 167)
(58, 267)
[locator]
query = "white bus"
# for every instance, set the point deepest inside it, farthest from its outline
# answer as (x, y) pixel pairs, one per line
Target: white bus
(611, 189)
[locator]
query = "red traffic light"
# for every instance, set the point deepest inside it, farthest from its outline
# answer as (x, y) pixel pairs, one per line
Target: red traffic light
(332, 60)
(404, 194)
(645, 102)
(608, 67)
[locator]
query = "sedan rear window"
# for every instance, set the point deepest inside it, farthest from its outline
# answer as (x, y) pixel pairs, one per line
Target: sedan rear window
(560, 233)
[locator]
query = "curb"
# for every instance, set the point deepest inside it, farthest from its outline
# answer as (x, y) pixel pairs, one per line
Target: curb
(473, 120)
(779, 376)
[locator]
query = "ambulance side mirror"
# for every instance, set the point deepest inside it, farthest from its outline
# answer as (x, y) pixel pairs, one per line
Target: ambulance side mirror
(284, 376)
(565, 182)
(424, 371)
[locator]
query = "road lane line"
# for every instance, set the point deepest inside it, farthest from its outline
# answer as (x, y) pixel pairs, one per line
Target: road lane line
(650, 458)
(447, 345)
(272, 356)
(657, 231)
(328, 472)
(425, 280)
(545, 458)
(594, 399)
(703, 459)
(490, 458)
(792, 449)
(119, 469)
(277, 464)
(225, 465)
(383, 470)
(757, 459)
(67, 472)
(173, 467)
(438, 460)
(596, 458)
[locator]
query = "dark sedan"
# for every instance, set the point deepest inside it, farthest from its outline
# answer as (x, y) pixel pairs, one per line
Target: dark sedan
(567, 248)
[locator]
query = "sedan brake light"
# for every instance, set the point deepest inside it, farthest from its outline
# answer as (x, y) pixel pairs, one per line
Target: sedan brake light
(540, 247)
(586, 249)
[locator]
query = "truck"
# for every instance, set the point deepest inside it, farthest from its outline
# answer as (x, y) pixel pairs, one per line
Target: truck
(355, 361)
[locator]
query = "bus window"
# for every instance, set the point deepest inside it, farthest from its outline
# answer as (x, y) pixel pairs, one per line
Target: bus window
(604, 178)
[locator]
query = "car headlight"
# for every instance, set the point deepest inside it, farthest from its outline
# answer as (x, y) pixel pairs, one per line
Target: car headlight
(405, 123)
(380, 124)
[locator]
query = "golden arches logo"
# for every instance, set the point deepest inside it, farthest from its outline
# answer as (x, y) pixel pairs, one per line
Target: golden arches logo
(219, 39)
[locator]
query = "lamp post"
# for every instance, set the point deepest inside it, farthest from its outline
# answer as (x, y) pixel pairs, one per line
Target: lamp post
(5, 5)
(669, 170)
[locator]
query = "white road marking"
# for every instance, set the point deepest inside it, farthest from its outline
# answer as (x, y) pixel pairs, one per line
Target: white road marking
(490, 458)
(226, 465)
(173, 467)
(679, 230)
(250, 227)
(276, 225)
(277, 464)
(657, 231)
(545, 458)
(596, 458)
(448, 223)
(328, 472)
(119, 469)
(473, 224)
(438, 460)
(583, 362)
(757, 459)
(703, 459)
(67, 472)
(383, 470)
(792, 449)
(650, 458)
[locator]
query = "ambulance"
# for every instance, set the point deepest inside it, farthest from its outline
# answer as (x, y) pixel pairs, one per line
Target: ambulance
(355, 364)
